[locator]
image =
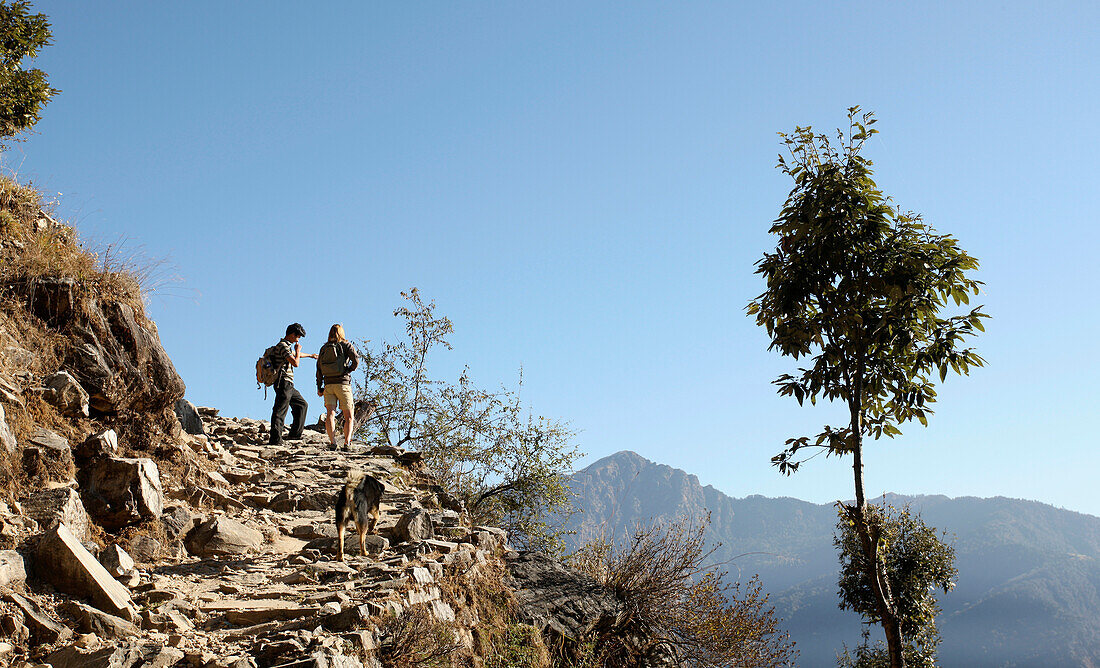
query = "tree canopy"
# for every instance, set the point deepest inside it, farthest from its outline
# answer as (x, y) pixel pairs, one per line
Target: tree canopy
(23, 92)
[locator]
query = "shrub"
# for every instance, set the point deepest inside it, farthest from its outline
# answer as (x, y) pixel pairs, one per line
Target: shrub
(507, 466)
(676, 604)
(415, 639)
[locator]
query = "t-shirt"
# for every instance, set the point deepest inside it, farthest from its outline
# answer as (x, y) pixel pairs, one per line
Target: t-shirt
(283, 350)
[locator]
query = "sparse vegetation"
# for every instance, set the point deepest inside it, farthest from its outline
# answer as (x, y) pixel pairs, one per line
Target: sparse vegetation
(676, 603)
(506, 465)
(414, 639)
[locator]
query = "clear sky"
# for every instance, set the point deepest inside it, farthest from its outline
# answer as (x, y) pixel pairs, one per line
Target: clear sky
(583, 188)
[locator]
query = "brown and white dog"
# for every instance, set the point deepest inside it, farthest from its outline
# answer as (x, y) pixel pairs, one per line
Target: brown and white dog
(357, 501)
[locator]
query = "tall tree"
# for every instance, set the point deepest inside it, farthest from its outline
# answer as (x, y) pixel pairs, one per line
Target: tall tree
(860, 288)
(23, 93)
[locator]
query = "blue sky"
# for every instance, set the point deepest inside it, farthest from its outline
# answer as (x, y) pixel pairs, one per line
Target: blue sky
(583, 188)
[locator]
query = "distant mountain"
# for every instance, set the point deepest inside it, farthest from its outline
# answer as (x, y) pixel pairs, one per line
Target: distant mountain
(1029, 574)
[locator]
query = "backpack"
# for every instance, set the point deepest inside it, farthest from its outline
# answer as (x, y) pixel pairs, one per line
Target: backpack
(332, 360)
(267, 368)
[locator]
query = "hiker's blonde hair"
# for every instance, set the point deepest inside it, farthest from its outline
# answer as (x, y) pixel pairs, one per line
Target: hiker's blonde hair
(336, 333)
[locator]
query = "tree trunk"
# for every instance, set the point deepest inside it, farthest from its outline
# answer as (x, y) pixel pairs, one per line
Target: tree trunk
(880, 583)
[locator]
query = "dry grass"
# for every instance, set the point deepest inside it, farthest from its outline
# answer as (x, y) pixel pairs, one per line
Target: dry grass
(35, 248)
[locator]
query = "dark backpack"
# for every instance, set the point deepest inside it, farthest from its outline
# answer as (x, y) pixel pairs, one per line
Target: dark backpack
(332, 360)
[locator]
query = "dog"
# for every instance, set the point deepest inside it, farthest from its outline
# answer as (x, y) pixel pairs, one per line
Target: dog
(357, 501)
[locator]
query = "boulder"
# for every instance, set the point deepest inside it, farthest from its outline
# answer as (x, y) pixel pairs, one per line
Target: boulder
(59, 504)
(122, 491)
(12, 570)
(90, 620)
(7, 438)
(46, 448)
(103, 444)
(115, 655)
(558, 600)
(17, 358)
(188, 416)
(66, 394)
(146, 549)
(177, 521)
(116, 561)
(415, 525)
(222, 536)
(63, 562)
(42, 627)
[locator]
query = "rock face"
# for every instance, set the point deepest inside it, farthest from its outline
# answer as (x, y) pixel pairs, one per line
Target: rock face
(121, 491)
(64, 392)
(555, 598)
(189, 418)
(60, 504)
(415, 525)
(116, 355)
(63, 562)
(222, 536)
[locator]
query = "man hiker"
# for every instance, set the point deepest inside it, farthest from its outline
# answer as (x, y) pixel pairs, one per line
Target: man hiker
(288, 352)
(335, 362)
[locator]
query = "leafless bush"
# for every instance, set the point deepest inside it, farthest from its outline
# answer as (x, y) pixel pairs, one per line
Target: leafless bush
(676, 603)
(415, 639)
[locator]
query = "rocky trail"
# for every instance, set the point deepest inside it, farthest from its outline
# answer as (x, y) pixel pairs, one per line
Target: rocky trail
(240, 569)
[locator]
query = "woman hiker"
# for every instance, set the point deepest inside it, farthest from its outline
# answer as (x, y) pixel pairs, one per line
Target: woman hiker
(335, 362)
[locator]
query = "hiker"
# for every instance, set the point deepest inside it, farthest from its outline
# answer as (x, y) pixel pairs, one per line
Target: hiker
(285, 395)
(335, 362)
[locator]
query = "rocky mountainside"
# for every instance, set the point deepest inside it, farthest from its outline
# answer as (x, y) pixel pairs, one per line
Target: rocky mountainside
(1029, 574)
(137, 531)
(237, 570)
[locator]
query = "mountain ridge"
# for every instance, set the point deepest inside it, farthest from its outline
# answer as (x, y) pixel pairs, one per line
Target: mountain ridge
(1029, 572)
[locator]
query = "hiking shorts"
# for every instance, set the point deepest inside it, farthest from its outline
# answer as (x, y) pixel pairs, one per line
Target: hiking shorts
(339, 394)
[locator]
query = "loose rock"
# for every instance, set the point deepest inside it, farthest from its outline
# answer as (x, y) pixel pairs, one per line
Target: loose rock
(64, 392)
(63, 562)
(13, 572)
(59, 504)
(222, 536)
(122, 491)
(7, 438)
(116, 561)
(415, 525)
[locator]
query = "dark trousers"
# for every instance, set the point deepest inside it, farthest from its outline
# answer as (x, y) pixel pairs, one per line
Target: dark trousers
(287, 397)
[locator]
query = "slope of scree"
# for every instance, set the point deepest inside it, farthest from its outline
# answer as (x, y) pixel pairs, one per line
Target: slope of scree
(239, 571)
